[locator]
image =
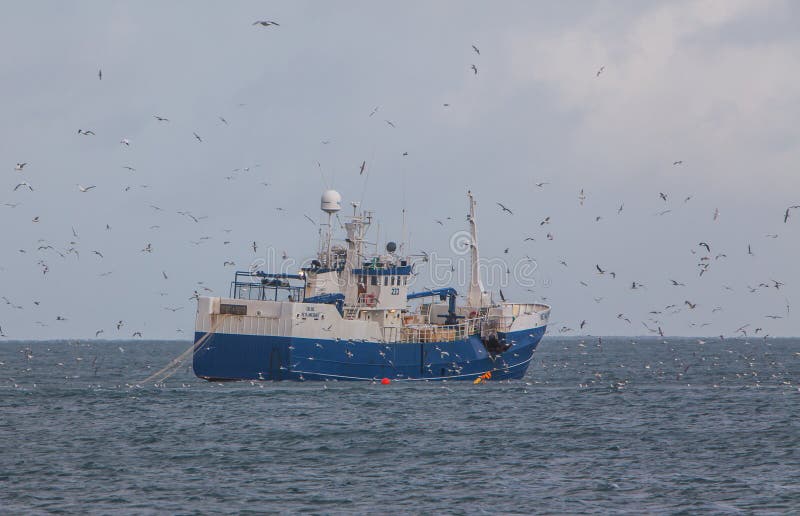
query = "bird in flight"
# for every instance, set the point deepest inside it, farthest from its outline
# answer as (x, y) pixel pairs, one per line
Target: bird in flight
(691, 305)
(785, 215)
(389, 122)
(474, 69)
(663, 196)
(476, 50)
(20, 166)
(161, 118)
(100, 74)
(125, 142)
(601, 70)
(86, 133)
(24, 183)
(85, 189)
(266, 23)
(716, 213)
(198, 137)
(545, 221)
(539, 185)
(677, 283)
(703, 244)
(363, 166)
(676, 163)
(504, 208)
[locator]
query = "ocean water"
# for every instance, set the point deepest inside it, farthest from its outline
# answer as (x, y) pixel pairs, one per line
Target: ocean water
(645, 427)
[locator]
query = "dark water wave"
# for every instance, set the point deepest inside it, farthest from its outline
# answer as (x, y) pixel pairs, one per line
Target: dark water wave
(651, 427)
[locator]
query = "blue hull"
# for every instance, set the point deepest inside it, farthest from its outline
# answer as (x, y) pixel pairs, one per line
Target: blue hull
(255, 357)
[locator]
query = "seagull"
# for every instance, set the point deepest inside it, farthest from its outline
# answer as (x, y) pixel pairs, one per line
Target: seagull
(675, 163)
(703, 244)
(389, 122)
(198, 137)
(255, 247)
(539, 185)
(98, 253)
(476, 50)
(266, 23)
(601, 271)
(474, 69)
(545, 221)
(173, 309)
(86, 133)
(663, 196)
(23, 184)
(137, 334)
(97, 333)
(622, 316)
(100, 74)
(161, 118)
(691, 305)
(785, 215)
(581, 197)
(601, 70)
(677, 284)
(85, 189)
(619, 210)
(148, 248)
(125, 141)
(223, 120)
(363, 166)
(20, 166)
(504, 208)
(129, 168)
(716, 213)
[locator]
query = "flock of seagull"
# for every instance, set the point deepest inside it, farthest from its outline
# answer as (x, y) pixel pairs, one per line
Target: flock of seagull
(654, 325)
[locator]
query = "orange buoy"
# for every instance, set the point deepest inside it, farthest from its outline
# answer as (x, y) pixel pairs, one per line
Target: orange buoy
(385, 381)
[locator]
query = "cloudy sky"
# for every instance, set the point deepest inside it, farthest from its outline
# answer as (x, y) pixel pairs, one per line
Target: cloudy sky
(714, 84)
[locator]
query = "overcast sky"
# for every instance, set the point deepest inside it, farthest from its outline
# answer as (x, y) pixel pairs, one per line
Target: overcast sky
(713, 84)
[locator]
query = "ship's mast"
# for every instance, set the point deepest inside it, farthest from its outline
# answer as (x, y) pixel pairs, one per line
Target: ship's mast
(475, 294)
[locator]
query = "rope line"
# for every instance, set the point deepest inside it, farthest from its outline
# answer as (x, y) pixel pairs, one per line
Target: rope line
(176, 362)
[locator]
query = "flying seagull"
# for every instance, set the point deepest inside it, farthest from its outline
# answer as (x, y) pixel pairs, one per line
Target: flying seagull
(266, 23)
(474, 69)
(504, 208)
(161, 118)
(363, 166)
(476, 50)
(125, 142)
(86, 133)
(20, 166)
(85, 189)
(601, 70)
(785, 215)
(198, 137)
(24, 184)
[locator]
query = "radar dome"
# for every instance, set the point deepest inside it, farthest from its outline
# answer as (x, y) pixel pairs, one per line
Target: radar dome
(331, 201)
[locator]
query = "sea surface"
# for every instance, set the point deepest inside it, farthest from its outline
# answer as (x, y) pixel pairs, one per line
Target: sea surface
(624, 427)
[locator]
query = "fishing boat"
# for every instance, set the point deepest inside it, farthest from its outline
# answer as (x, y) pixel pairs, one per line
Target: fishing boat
(349, 315)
